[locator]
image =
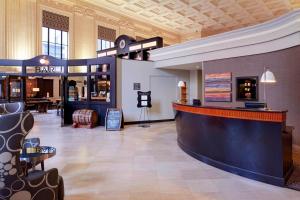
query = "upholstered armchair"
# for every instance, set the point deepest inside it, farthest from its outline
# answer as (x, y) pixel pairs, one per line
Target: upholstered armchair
(14, 185)
(7, 108)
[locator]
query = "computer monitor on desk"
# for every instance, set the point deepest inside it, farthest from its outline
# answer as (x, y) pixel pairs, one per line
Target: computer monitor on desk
(255, 105)
(196, 102)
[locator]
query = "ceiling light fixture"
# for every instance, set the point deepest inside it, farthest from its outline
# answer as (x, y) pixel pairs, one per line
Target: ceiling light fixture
(44, 60)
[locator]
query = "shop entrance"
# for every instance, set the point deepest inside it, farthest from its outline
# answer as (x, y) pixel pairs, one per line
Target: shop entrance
(44, 94)
(41, 88)
(44, 83)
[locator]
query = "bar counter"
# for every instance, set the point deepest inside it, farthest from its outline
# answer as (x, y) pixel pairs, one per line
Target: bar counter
(252, 143)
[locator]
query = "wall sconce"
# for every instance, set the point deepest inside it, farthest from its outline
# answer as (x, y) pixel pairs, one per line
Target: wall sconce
(35, 89)
(44, 61)
(35, 92)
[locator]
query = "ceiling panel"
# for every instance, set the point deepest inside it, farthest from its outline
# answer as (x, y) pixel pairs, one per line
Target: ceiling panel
(188, 16)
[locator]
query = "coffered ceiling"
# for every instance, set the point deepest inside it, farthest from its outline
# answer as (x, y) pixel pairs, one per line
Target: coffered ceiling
(200, 17)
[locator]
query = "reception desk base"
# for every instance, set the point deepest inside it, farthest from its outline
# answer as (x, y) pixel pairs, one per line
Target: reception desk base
(235, 170)
(256, 149)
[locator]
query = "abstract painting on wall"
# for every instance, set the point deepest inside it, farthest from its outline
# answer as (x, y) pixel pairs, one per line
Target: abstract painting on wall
(218, 87)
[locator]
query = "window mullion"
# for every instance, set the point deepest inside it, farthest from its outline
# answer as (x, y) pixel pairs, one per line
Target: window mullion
(57, 45)
(48, 42)
(61, 44)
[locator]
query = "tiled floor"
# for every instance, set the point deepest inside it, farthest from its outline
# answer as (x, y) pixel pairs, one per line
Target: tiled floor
(140, 164)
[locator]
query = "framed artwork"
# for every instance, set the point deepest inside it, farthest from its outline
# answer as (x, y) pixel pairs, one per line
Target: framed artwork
(247, 88)
(136, 86)
(218, 87)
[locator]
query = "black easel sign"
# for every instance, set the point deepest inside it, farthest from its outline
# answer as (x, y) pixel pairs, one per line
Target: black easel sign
(144, 99)
(114, 119)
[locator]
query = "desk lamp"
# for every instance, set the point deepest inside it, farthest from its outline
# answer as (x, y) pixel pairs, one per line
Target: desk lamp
(182, 86)
(267, 78)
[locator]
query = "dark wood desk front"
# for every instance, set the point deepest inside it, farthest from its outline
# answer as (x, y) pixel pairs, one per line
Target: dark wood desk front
(247, 142)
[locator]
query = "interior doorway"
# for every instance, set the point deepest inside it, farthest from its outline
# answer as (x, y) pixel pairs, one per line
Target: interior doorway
(43, 94)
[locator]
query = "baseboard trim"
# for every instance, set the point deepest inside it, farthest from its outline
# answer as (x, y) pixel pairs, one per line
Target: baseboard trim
(148, 121)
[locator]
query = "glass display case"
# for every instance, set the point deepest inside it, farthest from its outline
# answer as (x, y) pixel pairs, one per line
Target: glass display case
(77, 88)
(96, 82)
(2, 88)
(15, 88)
(100, 88)
(77, 69)
(104, 68)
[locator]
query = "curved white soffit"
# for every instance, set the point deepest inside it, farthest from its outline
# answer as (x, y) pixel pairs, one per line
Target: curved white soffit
(278, 34)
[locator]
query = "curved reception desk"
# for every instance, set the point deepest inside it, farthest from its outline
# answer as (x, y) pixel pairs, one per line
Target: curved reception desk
(249, 142)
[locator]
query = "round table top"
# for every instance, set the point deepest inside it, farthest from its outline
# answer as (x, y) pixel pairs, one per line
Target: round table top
(37, 154)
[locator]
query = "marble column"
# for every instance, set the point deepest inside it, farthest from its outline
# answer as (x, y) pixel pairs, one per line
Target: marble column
(20, 29)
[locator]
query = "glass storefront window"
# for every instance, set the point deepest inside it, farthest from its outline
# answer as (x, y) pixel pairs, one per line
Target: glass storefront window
(2, 88)
(15, 88)
(100, 88)
(10, 69)
(77, 69)
(77, 88)
(100, 68)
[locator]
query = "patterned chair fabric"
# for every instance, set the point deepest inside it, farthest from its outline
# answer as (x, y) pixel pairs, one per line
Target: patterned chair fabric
(7, 108)
(14, 185)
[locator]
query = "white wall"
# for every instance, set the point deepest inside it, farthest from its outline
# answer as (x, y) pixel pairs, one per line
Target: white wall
(162, 83)
(193, 90)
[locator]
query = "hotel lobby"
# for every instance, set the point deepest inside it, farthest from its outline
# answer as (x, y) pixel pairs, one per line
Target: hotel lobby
(149, 99)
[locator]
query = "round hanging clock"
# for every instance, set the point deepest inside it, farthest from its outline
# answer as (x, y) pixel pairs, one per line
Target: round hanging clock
(122, 44)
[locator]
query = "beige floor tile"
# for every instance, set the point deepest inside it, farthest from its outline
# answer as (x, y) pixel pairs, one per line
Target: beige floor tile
(140, 164)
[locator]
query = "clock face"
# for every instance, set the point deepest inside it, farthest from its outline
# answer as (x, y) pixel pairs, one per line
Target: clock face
(122, 44)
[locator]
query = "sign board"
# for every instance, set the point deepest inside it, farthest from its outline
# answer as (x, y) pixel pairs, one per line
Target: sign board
(144, 99)
(114, 119)
(45, 69)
